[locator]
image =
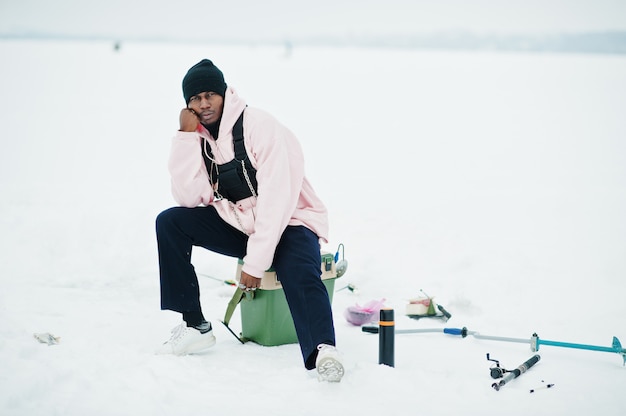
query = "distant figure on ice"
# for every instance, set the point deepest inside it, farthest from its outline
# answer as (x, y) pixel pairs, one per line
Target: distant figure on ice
(242, 194)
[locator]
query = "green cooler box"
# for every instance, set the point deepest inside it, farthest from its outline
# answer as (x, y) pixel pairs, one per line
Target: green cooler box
(265, 319)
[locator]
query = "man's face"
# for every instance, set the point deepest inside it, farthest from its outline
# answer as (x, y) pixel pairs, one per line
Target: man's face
(208, 106)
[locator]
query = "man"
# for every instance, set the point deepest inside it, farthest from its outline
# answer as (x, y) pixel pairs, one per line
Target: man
(242, 194)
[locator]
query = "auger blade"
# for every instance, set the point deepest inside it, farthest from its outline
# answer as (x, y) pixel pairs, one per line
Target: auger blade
(618, 349)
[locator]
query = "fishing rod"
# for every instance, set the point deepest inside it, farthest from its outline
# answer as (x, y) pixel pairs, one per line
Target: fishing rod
(513, 374)
(217, 279)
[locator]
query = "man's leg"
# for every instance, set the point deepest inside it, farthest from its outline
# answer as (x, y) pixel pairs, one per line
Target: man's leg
(178, 230)
(297, 263)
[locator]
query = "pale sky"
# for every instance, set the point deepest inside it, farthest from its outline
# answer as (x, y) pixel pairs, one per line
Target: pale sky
(283, 19)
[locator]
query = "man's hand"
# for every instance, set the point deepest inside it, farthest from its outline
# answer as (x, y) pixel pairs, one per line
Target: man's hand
(249, 282)
(188, 120)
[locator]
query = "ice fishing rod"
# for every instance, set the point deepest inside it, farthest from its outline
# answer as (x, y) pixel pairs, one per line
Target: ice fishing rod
(226, 282)
(513, 374)
(497, 372)
(534, 341)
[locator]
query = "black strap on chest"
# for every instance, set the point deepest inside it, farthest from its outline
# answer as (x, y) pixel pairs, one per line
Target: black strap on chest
(236, 180)
(238, 144)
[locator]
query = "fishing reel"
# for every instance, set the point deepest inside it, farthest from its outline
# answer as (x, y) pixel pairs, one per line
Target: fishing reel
(496, 371)
(341, 265)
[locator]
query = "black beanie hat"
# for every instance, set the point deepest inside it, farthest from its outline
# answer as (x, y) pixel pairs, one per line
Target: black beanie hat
(202, 77)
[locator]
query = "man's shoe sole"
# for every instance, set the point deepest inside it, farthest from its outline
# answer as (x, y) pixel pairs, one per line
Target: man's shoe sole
(329, 369)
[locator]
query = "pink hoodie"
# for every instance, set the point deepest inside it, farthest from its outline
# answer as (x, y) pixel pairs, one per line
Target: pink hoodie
(285, 196)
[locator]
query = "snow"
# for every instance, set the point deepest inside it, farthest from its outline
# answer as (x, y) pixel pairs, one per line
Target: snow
(495, 182)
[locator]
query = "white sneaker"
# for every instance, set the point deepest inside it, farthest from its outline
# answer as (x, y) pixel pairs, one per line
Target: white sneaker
(329, 367)
(187, 340)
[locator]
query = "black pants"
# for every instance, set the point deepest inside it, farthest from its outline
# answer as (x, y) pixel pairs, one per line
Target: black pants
(296, 262)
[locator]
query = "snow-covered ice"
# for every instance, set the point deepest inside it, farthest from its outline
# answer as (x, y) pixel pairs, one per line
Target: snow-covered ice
(495, 182)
